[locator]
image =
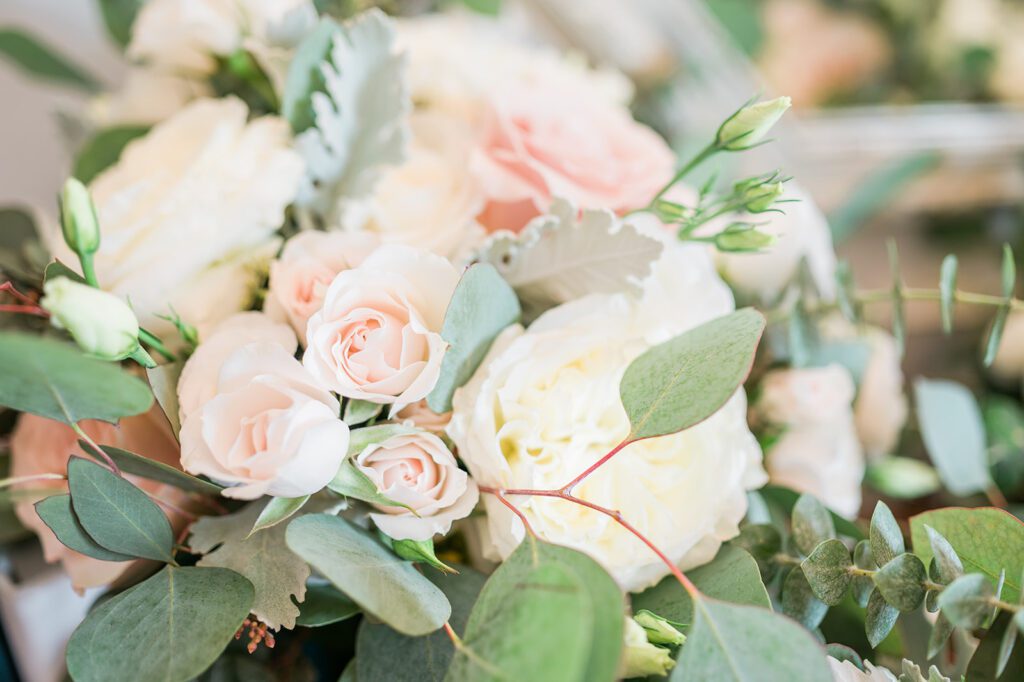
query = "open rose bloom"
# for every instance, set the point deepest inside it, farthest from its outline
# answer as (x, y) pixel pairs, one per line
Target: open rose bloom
(443, 355)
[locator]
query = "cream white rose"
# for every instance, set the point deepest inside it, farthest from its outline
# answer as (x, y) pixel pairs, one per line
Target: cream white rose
(431, 200)
(198, 380)
(146, 96)
(269, 430)
(189, 213)
(817, 450)
(545, 405)
(417, 469)
(307, 265)
(377, 336)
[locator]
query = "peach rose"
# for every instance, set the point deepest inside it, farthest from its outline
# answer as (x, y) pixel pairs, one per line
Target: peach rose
(269, 430)
(424, 418)
(377, 336)
(43, 446)
(418, 470)
(198, 380)
(307, 265)
(541, 142)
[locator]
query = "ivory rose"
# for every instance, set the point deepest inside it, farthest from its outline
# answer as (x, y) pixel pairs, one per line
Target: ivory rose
(308, 264)
(43, 446)
(545, 405)
(188, 214)
(816, 450)
(417, 470)
(269, 430)
(377, 336)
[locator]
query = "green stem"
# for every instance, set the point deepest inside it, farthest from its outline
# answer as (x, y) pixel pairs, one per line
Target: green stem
(700, 158)
(88, 269)
(156, 344)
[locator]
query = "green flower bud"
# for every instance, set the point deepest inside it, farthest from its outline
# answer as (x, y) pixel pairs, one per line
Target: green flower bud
(78, 218)
(761, 198)
(102, 324)
(749, 125)
(641, 657)
(742, 238)
(659, 630)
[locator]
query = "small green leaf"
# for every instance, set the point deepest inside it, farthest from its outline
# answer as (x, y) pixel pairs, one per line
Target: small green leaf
(366, 571)
(421, 551)
(685, 380)
(277, 510)
(812, 523)
(171, 626)
(901, 582)
(799, 602)
(903, 478)
(137, 465)
(954, 434)
(885, 535)
(55, 380)
(784, 500)
(360, 439)
(39, 61)
(947, 564)
(846, 293)
(947, 291)
(862, 584)
(481, 307)
(360, 411)
(827, 571)
(351, 482)
(119, 15)
(56, 513)
(995, 334)
(879, 619)
(324, 605)
(118, 515)
(1007, 642)
(305, 77)
(762, 541)
(103, 150)
(939, 635)
(966, 600)
(57, 269)
(163, 379)
(899, 324)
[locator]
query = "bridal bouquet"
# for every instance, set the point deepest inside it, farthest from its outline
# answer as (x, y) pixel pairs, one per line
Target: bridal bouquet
(405, 331)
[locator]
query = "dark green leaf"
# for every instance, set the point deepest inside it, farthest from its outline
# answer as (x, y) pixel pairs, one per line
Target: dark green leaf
(137, 465)
(985, 661)
(966, 600)
(118, 515)
(901, 582)
(799, 602)
(954, 434)
(304, 75)
(1006, 644)
(482, 305)
(812, 523)
(103, 150)
(55, 380)
(119, 15)
(885, 535)
(56, 513)
(39, 61)
(880, 619)
(324, 605)
(20, 245)
(947, 291)
(172, 626)
(163, 380)
(762, 541)
(685, 380)
(827, 571)
(365, 570)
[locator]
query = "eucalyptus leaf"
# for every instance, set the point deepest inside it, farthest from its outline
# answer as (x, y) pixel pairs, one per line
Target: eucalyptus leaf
(38, 60)
(20, 245)
(940, 633)
(685, 380)
(360, 439)
(482, 305)
(360, 411)
(947, 291)
(171, 626)
(1006, 645)
(879, 619)
(374, 578)
(863, 585)
(947, 564)
(984, 664)
(799, 602)
(954, 434)
(278, 509)
(56, 513)
(966, 601)
(899, 324)
(351, 482)
(785, 501)
(137, 465)
(419, 551)
(812, 523)
(901, 582)
(902, 478)
(827, 571)
(325, 605)
(995, 334)
(762, 541)
(885, 535)
(163, 379)
(55, 380)
(103, 150)
(116, 514)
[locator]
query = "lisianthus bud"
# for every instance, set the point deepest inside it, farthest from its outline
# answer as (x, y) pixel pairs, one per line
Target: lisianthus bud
(641, 657)
(659, 630)
(78, 218)
(749, 125)
(742, 238)
(761, 197)
(102, 324)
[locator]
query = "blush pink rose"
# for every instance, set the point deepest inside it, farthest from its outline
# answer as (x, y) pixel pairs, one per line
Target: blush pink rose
(417, 470)
(377, 336)
(43, 446)
(541, 143)
(308, 263)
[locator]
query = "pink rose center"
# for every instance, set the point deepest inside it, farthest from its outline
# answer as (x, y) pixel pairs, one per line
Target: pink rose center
(374, 345)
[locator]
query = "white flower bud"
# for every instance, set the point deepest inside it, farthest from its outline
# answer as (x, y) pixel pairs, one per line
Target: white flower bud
(659, 630)
(641, 658)
(78, 218)
(102, 324)
(749, 125)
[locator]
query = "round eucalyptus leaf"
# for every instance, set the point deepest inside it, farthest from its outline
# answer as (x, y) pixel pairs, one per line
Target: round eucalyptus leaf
(901, 582)
(827, 571)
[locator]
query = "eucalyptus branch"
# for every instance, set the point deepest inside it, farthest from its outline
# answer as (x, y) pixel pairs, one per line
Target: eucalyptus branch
(99, 452)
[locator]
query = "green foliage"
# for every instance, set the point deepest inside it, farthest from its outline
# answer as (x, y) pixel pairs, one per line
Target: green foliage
(57, 514)
(903, 478)
(862, 584)
(488, 7)
(360, 411)
(351, 482)
(985, 663)
(947, 291)
(171, 626)
(482, 305)
(374, 578)
(899, 324)
(163, 380)
(20, 248)
(986, 541)
(137, 465)
(812, 523)
(885, 535)
(116, 514)
(119, 15)
(685, 380)
(55, 380)
(901, 582)
(325, 605)
(879, 619)
(995, 334)
(278, 509)
(419, 551)
(548, 612)
(305, 77)
(799, 602)
(947, 566)
(37, 60)
(966, 601)
(103, 150)
(827, 571)
(784, 500)
(762, 541)
(954, 433)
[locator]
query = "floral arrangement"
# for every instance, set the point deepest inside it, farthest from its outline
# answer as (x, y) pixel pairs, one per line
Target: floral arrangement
(405, 330)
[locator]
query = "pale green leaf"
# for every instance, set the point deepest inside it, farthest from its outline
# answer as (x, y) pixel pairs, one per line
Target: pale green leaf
(137, 465)
(885, 535)
(940, 633)
(368, 573)
(903, 478)
(947, 291)
(799, 602)
(954, 434)
(685, 380)
(966, 600)
(360, 411)
(305, 76)
(103, 150)
(351, 482)
(116, 514)
(482, 305)
(39, 61)
(163, 379)
(55, 380)
(171, 626)
(901, 582)
(56, 513)
(827, 571)
(947, 565)
(879, 619)
(277, 510)
(324, 605)
(812, 523)
(419, 551)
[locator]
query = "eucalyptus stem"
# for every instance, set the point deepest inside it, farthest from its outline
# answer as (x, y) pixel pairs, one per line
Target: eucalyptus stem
(97, 449)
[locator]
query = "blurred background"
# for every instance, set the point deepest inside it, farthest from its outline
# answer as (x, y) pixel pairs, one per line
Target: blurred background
(908, 125)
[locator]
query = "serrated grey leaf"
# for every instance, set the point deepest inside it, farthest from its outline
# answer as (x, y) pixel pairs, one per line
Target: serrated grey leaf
(827, 571)
(901, 582)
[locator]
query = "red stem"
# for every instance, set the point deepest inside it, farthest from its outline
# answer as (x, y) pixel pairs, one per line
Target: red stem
(25, 309)
(515, 510)
(8, 287)
(567, 488)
